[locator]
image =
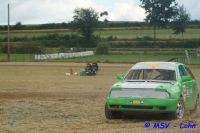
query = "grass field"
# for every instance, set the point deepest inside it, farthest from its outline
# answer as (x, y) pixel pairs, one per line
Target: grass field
(161, 34)
(119, 33)
(112, 58)
(38, 97)
(130, 58)
(17, 57)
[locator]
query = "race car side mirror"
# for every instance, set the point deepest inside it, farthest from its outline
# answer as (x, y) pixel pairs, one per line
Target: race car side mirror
(185, 78)
(120, 77)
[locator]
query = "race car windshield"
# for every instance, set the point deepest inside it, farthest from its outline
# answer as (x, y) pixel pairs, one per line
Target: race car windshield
(151, 74)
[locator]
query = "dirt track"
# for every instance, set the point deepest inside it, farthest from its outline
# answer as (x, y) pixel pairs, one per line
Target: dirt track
(39, 97)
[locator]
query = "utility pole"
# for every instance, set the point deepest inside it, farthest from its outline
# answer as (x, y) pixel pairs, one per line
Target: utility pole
(8, 32)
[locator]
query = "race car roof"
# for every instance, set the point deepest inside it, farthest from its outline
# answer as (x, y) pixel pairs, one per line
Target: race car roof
(156, 65)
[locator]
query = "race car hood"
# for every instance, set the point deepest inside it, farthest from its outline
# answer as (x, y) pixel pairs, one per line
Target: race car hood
(142, 89)
(140, 85)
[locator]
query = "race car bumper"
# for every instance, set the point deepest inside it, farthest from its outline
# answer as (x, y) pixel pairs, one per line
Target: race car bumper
(142, 104)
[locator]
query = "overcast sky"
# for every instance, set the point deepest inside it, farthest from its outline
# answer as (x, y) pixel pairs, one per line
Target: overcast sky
(57, 11)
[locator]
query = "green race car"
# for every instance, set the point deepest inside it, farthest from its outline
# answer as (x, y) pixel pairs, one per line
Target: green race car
(163, 87)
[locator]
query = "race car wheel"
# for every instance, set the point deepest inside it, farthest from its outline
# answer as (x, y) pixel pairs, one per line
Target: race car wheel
(112, 114)
(180, 110)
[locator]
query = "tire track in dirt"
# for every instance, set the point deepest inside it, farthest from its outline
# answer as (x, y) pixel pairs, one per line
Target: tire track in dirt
(50, 95)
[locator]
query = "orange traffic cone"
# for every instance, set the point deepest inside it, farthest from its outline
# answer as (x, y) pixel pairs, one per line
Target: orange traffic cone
(71, 71)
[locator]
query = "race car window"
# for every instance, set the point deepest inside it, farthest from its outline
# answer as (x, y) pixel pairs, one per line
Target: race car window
(151, 74)
(182, 71)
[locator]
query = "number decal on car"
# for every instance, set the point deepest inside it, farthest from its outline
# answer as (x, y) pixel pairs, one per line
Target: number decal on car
(136, 102)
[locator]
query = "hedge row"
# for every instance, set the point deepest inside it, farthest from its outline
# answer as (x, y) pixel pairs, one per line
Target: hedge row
(158, 44)
(22, 49)
(56, 40)
(68, 41)
(53, 36)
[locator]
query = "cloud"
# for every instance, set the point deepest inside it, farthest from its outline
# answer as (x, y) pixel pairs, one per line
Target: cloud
(57, 11)
(192, 7)
(44, 11)
(127, 12)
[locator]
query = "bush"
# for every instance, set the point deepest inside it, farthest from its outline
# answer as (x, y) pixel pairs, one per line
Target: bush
(92, 43)
(102, 48)
(195, 43)
(144, 38)
(62, 49)
(111, 38)
(22, 49)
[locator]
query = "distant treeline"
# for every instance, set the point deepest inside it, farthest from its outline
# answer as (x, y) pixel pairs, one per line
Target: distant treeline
(20, 26)
(40, 46)
(109, 24)
(68, 41)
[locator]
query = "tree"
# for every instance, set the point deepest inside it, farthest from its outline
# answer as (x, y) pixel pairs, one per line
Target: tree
(86, 20)
(18, 26)
(180, 21)
(105, 13)
(159, 12)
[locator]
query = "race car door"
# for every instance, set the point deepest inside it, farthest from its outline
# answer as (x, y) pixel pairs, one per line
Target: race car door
(186, 86)
(193, 86)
